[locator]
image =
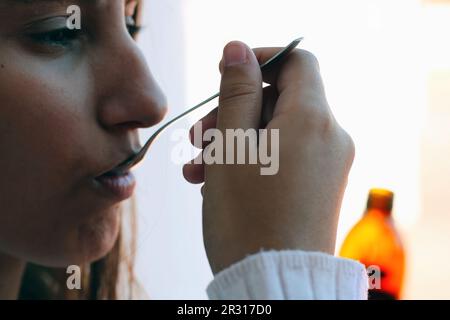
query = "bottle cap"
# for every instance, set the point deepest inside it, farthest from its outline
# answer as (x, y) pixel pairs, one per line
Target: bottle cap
(381, 199)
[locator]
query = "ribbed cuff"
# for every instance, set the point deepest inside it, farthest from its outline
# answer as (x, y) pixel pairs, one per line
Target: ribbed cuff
(291, 274)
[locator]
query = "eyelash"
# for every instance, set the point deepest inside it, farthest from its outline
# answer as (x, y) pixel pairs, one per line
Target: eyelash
(64, 37)
(59, 37)
(133, 29)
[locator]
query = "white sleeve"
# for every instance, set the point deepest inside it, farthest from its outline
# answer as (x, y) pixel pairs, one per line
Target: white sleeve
(290, 275)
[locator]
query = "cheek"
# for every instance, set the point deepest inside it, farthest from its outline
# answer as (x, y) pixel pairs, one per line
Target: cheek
(43, 126)
(38, 134)
(51, 112)
(46, 133)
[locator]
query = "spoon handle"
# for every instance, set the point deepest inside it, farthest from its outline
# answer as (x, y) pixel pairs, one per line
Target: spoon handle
(278, 57)
(138, 157)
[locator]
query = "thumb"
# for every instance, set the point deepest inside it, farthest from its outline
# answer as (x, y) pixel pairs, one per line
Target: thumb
(241, 89)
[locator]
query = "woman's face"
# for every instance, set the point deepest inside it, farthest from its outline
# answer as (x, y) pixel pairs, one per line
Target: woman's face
(71, 102)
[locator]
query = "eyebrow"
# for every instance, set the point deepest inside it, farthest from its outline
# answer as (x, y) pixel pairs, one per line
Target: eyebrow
(28, 2)
(32, 2)
(18, 3)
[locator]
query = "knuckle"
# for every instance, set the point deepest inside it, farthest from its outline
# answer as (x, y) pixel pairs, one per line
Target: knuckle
(316, 119)
(238, 91)
(306, 57)
(348, 145)
(322, 125)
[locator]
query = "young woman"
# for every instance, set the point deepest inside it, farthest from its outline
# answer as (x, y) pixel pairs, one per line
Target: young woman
(71, 102)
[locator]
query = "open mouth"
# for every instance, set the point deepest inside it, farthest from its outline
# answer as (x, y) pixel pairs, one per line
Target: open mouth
(123, 167)
(118, 182)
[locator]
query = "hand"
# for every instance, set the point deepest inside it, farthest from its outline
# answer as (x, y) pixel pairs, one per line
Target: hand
(298, 207)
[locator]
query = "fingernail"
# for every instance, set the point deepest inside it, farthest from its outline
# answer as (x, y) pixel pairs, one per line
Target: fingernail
(235, 53)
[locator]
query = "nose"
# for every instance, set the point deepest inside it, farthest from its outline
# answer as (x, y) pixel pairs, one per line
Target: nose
(128, 95)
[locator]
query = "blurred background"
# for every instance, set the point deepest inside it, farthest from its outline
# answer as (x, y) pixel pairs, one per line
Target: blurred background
(386, 68)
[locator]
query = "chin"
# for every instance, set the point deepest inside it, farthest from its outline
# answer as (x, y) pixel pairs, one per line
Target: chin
(74, 238)
(97, 237)
(86, 242)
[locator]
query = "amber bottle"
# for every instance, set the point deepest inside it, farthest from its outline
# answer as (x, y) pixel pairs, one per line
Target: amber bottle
(374, 241)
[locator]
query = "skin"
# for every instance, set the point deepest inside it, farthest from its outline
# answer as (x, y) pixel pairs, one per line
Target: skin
(67, 115)
(298, 208)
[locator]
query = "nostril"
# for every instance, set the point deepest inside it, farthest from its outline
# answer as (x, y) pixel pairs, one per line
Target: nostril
(130, 125)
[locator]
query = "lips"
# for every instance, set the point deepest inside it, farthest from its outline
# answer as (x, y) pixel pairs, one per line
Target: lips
(120, 187)
(117, 185)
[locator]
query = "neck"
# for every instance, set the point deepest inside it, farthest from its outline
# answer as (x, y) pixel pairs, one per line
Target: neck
(11, 271)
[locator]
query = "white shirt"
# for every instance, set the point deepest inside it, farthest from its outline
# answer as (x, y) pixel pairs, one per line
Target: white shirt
(291, 274)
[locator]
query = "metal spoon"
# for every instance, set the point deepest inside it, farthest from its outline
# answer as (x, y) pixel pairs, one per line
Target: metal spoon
(134, 159)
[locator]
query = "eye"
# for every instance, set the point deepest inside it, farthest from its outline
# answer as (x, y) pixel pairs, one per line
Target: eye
(60, 37)
(134, 30)
(132, 27)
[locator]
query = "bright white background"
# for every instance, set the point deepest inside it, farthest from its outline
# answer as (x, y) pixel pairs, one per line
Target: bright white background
(376, 56)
